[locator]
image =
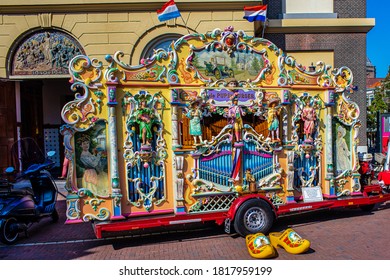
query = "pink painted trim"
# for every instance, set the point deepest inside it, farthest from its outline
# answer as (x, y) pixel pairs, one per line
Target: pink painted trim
(329, 196)
(357, 193)
(216, 155)
(264, 155)
(291, 202)
(78, 221)
(149, 213)
(115, 218)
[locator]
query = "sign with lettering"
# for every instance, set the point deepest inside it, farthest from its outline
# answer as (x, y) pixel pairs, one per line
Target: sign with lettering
(312, 194)
(225, 95)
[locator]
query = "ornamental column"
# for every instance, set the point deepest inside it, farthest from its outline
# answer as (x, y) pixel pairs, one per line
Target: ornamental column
(112, 136)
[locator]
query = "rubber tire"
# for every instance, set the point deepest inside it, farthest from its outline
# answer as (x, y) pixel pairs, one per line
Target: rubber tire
(254, 208)
(368, 207)
(54, 216)
(6, 223)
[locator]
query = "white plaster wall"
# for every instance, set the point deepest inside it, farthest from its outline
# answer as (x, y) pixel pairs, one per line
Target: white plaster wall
(307, 6)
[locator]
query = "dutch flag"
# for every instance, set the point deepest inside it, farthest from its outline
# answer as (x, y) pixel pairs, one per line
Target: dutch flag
(255, 13)
(168, 11)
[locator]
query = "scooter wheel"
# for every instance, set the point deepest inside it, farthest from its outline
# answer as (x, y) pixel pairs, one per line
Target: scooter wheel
(9, 231)
(54, 216)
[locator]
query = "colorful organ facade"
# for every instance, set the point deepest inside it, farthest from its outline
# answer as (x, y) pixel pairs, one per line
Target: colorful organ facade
(219, 116)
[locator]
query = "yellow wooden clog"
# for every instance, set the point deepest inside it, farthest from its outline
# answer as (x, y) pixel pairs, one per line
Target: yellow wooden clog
(259, 246)
(290, 241)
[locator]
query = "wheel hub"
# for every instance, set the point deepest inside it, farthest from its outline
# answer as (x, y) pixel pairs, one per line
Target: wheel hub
(254, 219)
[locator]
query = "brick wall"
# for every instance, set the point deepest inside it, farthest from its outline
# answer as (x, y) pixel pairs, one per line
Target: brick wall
(274, 8)
(350, 8)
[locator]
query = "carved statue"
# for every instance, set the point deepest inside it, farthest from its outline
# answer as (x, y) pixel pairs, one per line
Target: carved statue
(195, 116)
(308, 116)
(251, 180)
(145, 119)
(273, 118)
(235, 112)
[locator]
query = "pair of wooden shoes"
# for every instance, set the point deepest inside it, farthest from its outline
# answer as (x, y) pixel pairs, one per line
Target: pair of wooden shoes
(261, 247)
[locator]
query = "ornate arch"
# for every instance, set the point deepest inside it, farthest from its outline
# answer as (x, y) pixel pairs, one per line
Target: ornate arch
(152, 35)
(43, 52)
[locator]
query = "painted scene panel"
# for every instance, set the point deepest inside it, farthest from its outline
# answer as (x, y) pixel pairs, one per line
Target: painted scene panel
(91, 159)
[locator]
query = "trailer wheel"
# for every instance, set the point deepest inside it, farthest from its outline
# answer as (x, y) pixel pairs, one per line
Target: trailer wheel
(9, 231)
(368, 207)
(253, 216)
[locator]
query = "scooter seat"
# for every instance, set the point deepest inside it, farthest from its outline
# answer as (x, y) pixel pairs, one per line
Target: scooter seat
(22, 192)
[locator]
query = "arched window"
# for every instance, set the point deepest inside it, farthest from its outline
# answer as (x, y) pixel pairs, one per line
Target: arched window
(160, 42)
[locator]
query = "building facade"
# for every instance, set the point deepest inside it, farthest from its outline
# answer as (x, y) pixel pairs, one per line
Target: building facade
(39, 38)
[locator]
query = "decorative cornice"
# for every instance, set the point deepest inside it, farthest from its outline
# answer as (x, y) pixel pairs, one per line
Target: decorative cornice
(9, 7)
(319, 25)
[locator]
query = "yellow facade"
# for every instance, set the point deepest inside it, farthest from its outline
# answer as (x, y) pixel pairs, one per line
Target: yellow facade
(113, 25)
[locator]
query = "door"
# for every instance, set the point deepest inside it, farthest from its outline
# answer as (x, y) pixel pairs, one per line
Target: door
(32, 111)
(7, 122)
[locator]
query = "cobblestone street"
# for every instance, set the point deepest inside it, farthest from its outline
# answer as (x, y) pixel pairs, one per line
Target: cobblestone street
(345, 234)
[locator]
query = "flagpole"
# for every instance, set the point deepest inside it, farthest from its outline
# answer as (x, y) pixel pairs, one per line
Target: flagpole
(262, 33)
(185, 24)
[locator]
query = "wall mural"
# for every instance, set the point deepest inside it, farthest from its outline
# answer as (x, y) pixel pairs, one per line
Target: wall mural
(45, 53)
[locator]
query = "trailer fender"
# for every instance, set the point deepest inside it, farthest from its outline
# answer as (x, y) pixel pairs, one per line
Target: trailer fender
(239, 201)
(251, 214)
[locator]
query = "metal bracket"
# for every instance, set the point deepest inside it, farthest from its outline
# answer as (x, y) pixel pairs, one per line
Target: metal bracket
(227, 226)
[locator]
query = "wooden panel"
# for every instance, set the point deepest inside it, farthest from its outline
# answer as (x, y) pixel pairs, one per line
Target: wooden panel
(212, 126)
(7, 122)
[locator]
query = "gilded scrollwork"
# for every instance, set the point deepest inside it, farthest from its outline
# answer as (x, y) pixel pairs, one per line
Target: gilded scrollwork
(73, 208)
(104, 214)
(262, 143)
(342, 78)
(347, 111)
(94, 202)
(203, 186)
(81, 113)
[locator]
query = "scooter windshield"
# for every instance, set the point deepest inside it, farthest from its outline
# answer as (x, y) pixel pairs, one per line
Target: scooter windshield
(26, 152)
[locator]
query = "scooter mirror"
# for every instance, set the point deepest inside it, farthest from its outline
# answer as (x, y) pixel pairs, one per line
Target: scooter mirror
(9, 170)
(51, 153)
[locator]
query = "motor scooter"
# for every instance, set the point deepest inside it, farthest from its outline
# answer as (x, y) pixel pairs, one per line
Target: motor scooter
(31, 196)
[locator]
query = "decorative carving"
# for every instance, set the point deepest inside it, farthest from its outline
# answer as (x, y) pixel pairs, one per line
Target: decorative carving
(179, 165)
(81, 113)
(45, 53)
(73, 208)
(45, 20)
(104, 214)
(146, 110)
(94, 202)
